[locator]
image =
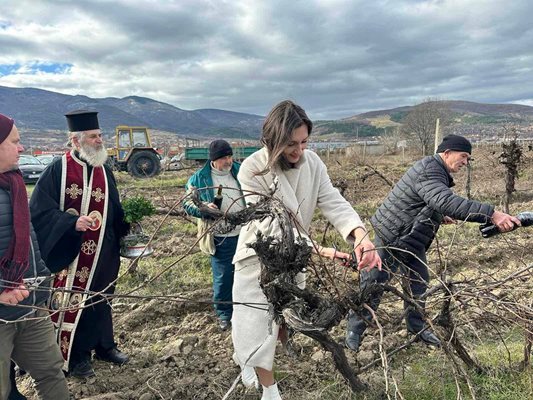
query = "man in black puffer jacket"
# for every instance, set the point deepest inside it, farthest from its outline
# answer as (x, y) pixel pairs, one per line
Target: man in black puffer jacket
(26, 331)
(406, 224)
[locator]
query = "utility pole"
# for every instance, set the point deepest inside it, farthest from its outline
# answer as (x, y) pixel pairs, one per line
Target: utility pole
(437, 135)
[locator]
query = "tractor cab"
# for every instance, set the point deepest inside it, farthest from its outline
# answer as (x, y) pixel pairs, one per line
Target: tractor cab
(130, 138)
(133, 152)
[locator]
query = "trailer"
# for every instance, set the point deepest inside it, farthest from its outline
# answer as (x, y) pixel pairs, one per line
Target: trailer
(201, 154)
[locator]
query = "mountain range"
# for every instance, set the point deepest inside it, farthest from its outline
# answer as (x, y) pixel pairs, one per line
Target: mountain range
(37, 109)
(42, 110)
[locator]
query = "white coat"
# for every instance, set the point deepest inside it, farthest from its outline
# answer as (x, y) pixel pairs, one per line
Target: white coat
(302, 189)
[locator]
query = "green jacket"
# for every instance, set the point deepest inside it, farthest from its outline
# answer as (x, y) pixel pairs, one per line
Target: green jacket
(203, 181)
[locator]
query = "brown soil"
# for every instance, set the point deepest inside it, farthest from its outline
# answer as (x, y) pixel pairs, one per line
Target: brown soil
(178, 352)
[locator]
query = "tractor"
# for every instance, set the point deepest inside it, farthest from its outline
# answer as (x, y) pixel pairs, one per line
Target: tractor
(134, 152)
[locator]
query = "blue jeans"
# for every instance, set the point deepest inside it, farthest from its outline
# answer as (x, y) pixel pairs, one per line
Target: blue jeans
(223, 271)
(416, 272)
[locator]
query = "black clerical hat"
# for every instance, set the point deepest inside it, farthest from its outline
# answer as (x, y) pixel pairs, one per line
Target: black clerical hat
(82, 120)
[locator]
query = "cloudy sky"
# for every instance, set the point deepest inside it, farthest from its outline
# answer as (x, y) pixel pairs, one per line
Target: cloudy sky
(336, 58)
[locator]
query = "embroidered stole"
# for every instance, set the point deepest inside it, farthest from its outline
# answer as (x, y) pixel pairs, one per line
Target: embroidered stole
(80, 195)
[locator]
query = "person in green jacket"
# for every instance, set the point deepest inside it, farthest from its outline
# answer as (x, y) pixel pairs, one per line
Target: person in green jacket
(220, 171)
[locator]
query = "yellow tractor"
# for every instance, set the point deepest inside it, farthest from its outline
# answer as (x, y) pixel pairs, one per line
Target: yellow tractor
(133, 152)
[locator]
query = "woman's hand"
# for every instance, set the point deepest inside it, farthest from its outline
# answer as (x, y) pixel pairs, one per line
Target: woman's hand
(333, 254)
(367, 255)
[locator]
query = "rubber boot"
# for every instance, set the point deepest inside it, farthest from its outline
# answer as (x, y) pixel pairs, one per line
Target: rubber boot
(355, 328)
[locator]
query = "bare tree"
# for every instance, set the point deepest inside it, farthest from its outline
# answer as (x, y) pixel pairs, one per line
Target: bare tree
(390, 139)
(511, 158)
(421, 120)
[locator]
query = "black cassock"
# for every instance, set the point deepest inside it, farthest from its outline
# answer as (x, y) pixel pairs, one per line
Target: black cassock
(60, 244)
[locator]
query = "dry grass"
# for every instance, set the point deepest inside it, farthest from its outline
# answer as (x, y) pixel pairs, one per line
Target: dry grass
(206, 372)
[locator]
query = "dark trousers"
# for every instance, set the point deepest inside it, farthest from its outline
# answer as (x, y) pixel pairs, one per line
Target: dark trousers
(223, 271)
(94, 332)
(413, 268)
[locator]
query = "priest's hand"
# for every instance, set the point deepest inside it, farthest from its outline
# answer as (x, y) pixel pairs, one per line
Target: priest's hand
(83, 223)
(14, 296)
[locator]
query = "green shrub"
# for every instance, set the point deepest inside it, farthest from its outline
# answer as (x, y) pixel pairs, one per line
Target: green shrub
(136, 208)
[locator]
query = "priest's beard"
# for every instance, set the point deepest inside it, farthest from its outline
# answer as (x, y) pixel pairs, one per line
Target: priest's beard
(94, 156)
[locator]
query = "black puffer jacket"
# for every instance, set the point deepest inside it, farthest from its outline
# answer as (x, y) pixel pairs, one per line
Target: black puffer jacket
(37, 266)
(413, 211)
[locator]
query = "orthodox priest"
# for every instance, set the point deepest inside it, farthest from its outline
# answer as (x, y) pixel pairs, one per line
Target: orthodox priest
(76, 211)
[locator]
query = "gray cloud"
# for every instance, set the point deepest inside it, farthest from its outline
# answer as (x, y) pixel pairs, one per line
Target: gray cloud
(334, 57)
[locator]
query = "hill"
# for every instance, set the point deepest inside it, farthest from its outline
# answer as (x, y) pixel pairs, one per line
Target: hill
(466, 115)
(462, 111)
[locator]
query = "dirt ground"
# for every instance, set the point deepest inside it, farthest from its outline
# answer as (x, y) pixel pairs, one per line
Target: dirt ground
(178, 352)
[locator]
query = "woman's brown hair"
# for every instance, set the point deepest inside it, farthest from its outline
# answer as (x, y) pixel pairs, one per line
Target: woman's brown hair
(278, 127)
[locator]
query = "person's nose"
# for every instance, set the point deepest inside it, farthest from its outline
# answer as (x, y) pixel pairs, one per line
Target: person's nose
(20, 148)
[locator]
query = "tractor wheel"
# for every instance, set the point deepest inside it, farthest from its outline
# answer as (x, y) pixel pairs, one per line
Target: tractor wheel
(144, 164)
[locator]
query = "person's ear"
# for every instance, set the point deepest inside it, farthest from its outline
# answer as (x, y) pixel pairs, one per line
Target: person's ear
(75, 141)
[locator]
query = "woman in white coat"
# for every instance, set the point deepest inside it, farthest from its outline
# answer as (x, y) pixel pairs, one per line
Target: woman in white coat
(303, 185)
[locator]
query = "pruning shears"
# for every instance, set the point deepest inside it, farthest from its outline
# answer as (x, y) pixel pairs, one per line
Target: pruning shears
(351, 262)
(32, 283)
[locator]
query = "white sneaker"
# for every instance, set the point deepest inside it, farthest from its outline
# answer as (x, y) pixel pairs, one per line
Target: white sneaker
(271, 392)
